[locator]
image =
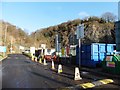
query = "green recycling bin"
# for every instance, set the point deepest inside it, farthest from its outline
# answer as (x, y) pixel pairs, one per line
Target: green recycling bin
(111, 64)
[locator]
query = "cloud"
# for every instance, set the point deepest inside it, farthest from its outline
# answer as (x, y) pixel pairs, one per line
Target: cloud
(83, 14)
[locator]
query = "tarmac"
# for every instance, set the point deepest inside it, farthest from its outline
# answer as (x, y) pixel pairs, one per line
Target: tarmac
(30, 74)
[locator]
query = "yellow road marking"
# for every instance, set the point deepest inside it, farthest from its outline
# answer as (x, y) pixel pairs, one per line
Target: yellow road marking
(87, 85)
(93, 84)
(106, 81)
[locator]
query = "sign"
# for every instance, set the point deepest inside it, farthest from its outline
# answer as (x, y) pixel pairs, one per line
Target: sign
(67, 50)
(110, 64)
(2, 48)
(63, 51)
(108, 58)
(80, 31)
(43, 46)
(32, 50)
(21, 47)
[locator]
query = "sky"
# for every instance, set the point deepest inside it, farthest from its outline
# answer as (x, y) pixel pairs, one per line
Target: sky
(32, 16)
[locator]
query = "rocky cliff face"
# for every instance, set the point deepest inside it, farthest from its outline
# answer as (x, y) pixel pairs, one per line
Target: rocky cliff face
(96, 30)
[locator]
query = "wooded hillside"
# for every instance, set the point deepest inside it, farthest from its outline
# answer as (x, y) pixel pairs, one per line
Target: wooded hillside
(96, 30)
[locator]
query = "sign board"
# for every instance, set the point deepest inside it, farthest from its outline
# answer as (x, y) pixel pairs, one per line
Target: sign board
(43, 46)
(32, 50)
(63, 51)
(2, 48)
(110, 64)
(21, 47)
(109, 58)
(80, 31)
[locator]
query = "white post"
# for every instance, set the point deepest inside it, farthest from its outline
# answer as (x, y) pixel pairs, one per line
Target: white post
(5, 34)
(11, 46)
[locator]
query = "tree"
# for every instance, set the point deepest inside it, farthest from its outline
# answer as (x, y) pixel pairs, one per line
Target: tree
(108, 17)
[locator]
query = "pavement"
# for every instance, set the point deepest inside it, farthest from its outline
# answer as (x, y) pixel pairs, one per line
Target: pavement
(19, 71)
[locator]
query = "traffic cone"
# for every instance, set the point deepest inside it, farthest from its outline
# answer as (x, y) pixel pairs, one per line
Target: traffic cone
(53, 67)
(35, 59)
(40, 61)
(45, 62)
(32, 58)
(77, 74)
(59, 68)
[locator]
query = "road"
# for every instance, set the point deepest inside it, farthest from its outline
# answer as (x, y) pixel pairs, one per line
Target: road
(18, 71)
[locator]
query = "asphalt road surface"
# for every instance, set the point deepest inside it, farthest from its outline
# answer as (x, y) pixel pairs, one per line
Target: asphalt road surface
(18, 71)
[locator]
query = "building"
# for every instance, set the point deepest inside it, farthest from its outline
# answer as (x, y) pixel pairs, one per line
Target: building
(117, 29)
(119, 11)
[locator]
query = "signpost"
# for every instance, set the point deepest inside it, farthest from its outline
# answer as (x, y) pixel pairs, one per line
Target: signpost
(80, 34)
(57, 44)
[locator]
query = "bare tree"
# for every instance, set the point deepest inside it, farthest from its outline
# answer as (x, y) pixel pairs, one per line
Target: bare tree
(108, 17)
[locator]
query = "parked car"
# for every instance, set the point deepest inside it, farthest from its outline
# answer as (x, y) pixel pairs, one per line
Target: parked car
(50, 57)
(27, 51)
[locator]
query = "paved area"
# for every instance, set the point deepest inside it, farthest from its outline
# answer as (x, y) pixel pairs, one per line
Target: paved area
(18, 71)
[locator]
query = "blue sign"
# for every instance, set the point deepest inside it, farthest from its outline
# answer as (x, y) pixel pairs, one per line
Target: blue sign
(2, 48)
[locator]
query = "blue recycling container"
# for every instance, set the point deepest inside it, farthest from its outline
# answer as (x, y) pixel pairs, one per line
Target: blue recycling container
(93, 54)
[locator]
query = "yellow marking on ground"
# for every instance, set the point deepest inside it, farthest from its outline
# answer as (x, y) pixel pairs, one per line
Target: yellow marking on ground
(93, 84)
(87, 85)
(106, 81)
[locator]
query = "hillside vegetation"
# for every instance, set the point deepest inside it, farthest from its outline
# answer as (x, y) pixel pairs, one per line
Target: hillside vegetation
(13, 36)
(96, 30)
